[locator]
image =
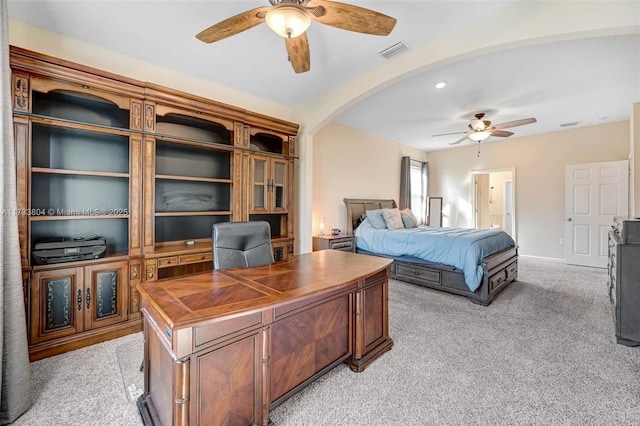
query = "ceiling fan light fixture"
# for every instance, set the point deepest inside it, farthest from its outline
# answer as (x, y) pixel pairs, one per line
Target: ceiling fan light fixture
(477, 124)
(479, 136)
(288, 20)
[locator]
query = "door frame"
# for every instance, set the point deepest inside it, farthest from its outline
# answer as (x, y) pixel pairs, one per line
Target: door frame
(474, 198)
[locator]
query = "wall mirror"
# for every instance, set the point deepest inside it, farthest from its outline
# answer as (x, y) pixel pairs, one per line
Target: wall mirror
(435, 211)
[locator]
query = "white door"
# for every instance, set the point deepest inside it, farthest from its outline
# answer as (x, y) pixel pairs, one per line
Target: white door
(594, 194)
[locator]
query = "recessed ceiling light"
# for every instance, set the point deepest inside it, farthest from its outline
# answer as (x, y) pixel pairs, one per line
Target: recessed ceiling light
(440, 84)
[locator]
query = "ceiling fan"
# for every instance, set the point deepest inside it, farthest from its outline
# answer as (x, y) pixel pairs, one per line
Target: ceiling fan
(291, 19)
(480, 129)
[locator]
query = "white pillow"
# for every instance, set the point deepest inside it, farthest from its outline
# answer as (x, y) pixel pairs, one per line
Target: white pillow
(393, 218)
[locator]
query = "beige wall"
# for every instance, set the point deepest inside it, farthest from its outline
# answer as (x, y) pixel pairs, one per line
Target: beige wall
(539, 163)
(348, 163)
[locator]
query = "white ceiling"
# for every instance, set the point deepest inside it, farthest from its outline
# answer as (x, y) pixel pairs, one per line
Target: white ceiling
(589, 81)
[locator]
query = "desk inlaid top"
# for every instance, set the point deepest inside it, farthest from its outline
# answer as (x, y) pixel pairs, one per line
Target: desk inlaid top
(188, 300)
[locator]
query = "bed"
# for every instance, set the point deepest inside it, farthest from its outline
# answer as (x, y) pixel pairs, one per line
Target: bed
(493, 272)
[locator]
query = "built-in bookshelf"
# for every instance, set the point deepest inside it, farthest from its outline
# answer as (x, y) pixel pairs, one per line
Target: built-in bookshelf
(149, 170)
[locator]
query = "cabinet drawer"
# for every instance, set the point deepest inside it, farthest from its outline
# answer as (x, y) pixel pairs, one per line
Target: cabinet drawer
(195, 258)
(413, 271)
(343, 245)
(163, 262)
(225, 329)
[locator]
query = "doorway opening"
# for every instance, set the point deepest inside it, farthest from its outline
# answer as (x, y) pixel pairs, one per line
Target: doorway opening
(493, 199)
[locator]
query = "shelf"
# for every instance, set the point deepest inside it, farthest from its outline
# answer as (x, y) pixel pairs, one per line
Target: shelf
(79, 107)
(74, 150)
(79, 216)
(181, 214)
(175, 159)
(186, 226)
(267, 143)
(72, 192)
(193, 179)
(190, 196)
(78, 172)
(190, 128)
(114, 229)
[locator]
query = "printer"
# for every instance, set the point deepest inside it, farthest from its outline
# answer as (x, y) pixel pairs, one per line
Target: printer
(60, 250)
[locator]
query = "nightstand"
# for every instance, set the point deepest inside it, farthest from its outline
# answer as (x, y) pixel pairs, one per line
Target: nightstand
(335, 242)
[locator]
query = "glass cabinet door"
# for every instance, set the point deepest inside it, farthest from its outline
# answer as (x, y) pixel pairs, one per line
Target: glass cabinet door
(259, 184)
(279, 185)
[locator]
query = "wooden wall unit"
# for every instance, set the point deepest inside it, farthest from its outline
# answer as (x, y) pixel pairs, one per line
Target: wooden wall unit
(148, 168)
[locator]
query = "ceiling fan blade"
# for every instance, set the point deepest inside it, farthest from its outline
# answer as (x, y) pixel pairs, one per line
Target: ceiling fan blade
(298, 50)
(501, 133)
(515, 123)
(447, 134)
(234, 25)
(351, 18)
(460, 140)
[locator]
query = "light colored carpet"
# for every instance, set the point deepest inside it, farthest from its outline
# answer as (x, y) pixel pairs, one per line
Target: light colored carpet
(82, 388)
(130, 355)
(543, 353)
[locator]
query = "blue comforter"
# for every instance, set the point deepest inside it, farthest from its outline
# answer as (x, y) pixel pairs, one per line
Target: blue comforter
(458, 247)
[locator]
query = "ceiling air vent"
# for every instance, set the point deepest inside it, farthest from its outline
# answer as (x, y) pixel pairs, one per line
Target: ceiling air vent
(394, 49)
(572, 123)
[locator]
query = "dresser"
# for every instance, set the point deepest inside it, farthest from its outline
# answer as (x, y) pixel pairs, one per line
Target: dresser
(624, 279)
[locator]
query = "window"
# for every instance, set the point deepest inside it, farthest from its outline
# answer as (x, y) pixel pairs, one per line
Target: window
(414, 187)
(418, 190)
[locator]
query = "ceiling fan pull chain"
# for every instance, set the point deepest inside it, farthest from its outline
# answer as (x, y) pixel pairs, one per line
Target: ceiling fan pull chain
(478, 149)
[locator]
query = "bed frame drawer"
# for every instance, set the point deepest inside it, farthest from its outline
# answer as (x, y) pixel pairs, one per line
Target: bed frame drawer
(497, 280)
(417, 272)
(512, 271)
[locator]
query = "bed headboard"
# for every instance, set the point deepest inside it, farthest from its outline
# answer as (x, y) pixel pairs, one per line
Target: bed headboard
(357, 206)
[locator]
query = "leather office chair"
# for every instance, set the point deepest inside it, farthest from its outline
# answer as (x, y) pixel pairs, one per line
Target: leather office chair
(241, 244)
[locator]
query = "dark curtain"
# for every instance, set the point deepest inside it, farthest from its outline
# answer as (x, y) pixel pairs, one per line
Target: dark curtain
(15, 380)
(405, 184)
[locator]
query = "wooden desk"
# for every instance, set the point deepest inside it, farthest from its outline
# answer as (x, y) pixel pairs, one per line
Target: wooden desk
(225, 347)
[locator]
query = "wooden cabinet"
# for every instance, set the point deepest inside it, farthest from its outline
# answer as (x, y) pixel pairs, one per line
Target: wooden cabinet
(147, 168)
(624, 279)
(72, 300)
